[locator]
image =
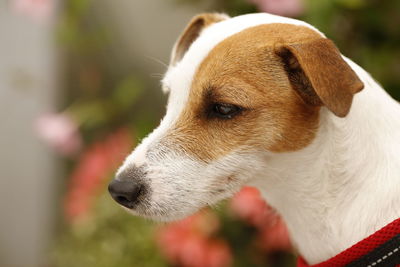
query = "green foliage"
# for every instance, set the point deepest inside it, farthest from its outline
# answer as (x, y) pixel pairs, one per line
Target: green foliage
(235, 7)
(366, 31)
(232, 7)
(111, 237)
(101, 112)
(75, 33)
(126, 93)
(241, 238)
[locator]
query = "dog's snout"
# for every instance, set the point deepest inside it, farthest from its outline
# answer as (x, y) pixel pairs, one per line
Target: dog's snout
(127, 188)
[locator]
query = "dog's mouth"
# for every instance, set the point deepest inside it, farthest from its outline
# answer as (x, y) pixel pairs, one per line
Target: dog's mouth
(162, 206)
(162, 213)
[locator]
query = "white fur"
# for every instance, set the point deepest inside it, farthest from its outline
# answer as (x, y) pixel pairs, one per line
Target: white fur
(346, 184)
(333, 193)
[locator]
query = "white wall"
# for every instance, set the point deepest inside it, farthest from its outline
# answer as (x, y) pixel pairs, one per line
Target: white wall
(27, 88)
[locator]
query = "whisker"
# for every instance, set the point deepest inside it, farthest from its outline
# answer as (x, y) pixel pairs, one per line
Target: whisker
(156, 75)
(157, 60)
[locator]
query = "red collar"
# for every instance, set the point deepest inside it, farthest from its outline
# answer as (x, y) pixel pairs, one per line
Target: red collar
(370, 248)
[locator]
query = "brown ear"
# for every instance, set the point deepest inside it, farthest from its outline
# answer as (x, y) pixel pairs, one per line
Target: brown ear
(320, 75)
(192, 32)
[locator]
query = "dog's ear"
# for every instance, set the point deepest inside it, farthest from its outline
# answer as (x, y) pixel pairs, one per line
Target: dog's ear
(319, 74)
(192, 32)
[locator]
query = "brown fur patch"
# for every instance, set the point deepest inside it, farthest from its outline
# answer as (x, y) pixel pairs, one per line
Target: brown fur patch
(245, 70)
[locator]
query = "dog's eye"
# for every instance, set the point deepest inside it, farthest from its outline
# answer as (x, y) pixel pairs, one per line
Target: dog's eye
(225, 111)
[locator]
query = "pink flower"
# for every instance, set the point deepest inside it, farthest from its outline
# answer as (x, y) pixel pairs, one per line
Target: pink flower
(249, 206)
(218, 254)
(291, 8)
(190, 242)
(93, 166)
(193, 251)
(275, 237)
(37, 9)
(60, 132)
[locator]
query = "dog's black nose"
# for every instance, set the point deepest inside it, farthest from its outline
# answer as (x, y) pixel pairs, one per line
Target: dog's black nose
(126, 192)
(128, 187)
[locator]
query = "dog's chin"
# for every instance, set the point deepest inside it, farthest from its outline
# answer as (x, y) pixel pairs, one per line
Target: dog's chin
(169, 210)
(166, 218)
(161, 215)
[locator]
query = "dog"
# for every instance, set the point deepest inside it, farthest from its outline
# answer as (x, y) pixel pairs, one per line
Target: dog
(270, 102)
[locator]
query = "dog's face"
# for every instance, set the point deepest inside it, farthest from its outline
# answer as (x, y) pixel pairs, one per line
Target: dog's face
(240, 90)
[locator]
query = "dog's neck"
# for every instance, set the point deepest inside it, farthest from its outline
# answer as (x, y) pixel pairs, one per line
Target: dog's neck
(346, 184)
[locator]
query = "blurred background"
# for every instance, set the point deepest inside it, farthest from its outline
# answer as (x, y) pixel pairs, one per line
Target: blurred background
(79, 88)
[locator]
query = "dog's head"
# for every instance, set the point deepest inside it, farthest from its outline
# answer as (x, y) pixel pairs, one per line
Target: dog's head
(240, 90)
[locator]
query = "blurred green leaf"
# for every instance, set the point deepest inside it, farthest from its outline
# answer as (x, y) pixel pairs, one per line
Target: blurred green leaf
(351, 4)
(90, 114)
(111, 237)
(127, 92)
(78, 7)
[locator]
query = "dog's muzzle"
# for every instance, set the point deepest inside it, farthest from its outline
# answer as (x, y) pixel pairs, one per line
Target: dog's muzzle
(128, 187)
